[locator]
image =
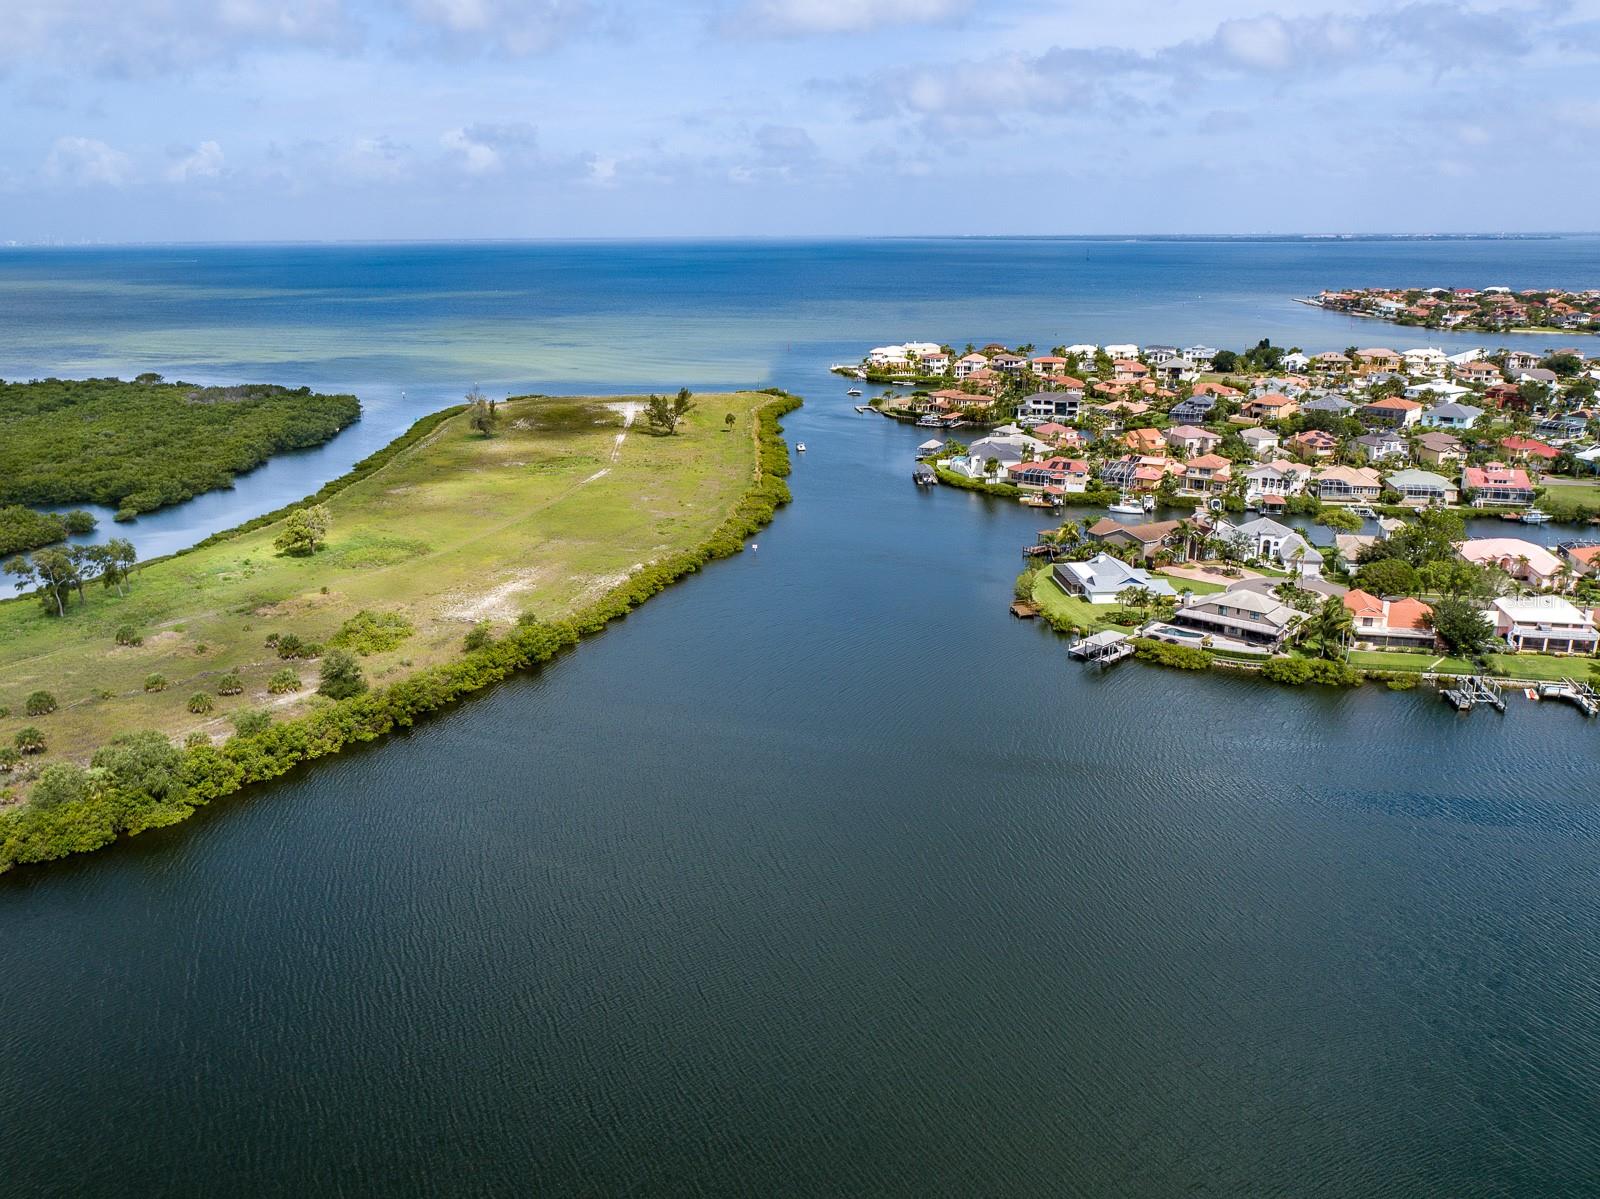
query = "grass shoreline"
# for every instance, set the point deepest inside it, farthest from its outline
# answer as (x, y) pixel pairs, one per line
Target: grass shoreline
(30, 833)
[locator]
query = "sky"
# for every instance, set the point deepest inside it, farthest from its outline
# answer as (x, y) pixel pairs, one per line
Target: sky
(237, 120)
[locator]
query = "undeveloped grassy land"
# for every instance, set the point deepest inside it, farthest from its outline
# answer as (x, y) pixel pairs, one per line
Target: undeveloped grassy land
(458, 529)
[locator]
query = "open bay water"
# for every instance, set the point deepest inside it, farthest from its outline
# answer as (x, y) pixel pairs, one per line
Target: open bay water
(819, 874)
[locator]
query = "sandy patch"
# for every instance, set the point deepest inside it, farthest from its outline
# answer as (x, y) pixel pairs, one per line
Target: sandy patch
(494, 604)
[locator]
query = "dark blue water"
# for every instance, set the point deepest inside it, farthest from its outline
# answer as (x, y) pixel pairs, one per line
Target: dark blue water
(822, 875)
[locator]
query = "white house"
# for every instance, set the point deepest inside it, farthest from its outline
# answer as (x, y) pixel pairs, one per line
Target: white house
(1544, 624)
(1126, 350)
(1263, 443)
(1451, 416)
(1102, 577)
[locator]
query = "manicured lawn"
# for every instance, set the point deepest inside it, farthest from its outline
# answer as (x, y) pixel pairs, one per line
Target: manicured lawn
(1179, 583)
(1070, 608)
(1546, 667)
(457, 529)
(1517, 666)
(1420, 663)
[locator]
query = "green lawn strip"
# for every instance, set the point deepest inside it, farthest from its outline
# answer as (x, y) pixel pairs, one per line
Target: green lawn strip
(1073, 610)
(1180, 583)
(454, 529)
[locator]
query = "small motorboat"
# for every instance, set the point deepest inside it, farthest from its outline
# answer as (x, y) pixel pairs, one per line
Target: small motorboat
(1126, 506)
(1533, 516)
(854, 391)
(800, 447)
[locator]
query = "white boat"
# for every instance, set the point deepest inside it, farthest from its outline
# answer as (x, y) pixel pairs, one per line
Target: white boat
(1363, 511)
(1534, 516)
(854, 391)
(1127, 506)
(800, 446)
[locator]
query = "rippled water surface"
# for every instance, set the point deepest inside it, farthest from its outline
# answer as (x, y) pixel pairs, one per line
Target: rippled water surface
(822, 875)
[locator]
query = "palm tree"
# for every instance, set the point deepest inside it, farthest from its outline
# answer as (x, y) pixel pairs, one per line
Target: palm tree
(1330, 627)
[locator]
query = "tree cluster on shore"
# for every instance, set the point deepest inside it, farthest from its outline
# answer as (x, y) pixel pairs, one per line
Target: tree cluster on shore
(138, 446)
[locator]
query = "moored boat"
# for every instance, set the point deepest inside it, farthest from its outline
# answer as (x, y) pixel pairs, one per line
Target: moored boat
(1126, 505)
(1534, 516)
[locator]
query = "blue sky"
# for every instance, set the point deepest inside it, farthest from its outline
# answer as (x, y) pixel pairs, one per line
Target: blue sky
(288, 119)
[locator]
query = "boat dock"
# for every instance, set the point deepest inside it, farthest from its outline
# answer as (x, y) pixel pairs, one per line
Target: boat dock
(1580, 694)
(1476, 689)
(1102, 649)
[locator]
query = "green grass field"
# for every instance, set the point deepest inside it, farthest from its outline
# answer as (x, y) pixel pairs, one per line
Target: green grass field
(545, 516)
(1055, 602)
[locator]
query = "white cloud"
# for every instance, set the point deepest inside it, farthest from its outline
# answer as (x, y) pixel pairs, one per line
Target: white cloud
(843, 16)
(515, 27)
(374, 160)
(87, 162)
(205, 162)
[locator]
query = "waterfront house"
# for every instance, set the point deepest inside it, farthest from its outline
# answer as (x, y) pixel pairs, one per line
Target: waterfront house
(1196, 408)
(1150, 538)
(1347, 484)
(1583, 560)
(1421, 488)
(1382, 446)
(1256, 618)
(1191, 439)
(928, 361)
(1125, 350)
(1266, 536)
(1207, 474)
(1009, 363)
(1272, 405)
(1389, 623)
(1262, 443)
(1295, 361)
(1521, 360)
(1545, 624)
(1427, 361)
(1057, 475)
(1270, 484)
(1102, 578)
(1201, 356)
(1156, 355)
(1332, 362)
(1315, 443)
(1394, 411)
(1049, 366)
(930, 448)
(1496, 485)
(1450, 415)
(1477, 372)
(1129, 370)
(1522, 560)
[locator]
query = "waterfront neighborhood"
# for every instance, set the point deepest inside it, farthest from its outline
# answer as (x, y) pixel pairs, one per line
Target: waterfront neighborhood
(1465, 309)
(1300, 514)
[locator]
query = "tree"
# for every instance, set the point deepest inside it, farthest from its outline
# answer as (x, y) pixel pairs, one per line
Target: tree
(1463, 628)
(116, 559)
(248, 722)
(1431, 537)
(665, 412)
(59, 783)
(57, 573)
(1225, 362)
(302, 530)
(482, 413)
(341, 676)
(146, 762)
(1330, 627)
(728, 421)
(1389, 576)
(1340, 520)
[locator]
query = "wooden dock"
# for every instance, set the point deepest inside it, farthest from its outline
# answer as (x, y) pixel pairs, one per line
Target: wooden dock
(1476, 689)
(1102, 649)
(1580, 694)
(1023, 610)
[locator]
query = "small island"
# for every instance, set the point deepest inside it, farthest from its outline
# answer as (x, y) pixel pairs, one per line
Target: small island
(144, 444)
(488, 538)
(1470, 310)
